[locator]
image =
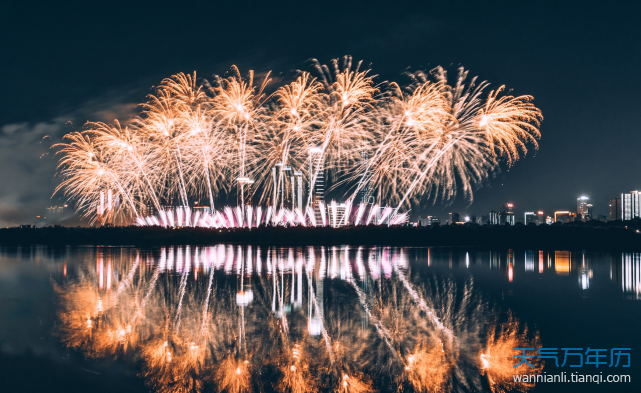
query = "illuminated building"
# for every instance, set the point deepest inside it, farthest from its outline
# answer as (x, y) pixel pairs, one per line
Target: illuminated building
(504, 216)
(336, 214)
(317, 172)
(55, 213)
(288, 187)
(583, 208)
(563, 216)
(428, 220)
(454, 218)
(202, 209)
(108, 203)
(630, 275)
(631, 205)
(530, 217)
(494, 218)
(244, 191)
(615, 209)
(366, 191)
(317, 182)
(540, 218)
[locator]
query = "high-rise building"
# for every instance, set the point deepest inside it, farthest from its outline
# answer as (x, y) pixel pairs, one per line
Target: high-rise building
(540, 217)
(583, 208)
(454, 218)
(366, 191)
(563, 216)
(615, 209)
(530, 217)
(631, 205)
(427, 221)
(316, 175)
(494, 218)
(506, 215)
(244, 191)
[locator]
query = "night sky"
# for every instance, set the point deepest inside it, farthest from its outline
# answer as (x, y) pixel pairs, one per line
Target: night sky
(63, 65)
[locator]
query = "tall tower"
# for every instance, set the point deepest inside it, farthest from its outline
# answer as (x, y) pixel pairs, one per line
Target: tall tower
(316, 175)
(583, 208)
(365, 193)
(244, 191)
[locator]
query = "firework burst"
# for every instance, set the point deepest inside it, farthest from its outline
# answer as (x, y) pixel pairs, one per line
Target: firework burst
(195, 140)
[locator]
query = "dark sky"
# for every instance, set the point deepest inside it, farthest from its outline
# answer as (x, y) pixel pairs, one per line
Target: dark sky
(97, 60)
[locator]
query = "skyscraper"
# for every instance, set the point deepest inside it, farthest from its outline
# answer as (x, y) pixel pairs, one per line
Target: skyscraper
(583, 208)
(316, 175)
(630, 205)
(494, 218)
(454, 218)
(615, 209)
(506, 215)
(530, 217)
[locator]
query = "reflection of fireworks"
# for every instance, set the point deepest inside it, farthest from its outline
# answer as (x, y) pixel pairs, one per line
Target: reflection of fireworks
(497, 361)
(355, 383)
(194, 334)
(196, 140)
(428, 368)
(173, 365)
(232, 375)
(296, 374)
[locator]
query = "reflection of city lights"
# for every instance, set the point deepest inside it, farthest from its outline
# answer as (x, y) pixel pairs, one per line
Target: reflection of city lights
(540, 261)
(243, 298)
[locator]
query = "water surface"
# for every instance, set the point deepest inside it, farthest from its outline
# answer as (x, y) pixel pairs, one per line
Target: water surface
(245, 318)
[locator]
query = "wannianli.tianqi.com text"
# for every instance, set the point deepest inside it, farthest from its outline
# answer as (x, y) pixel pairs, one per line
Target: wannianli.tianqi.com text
(573, 377)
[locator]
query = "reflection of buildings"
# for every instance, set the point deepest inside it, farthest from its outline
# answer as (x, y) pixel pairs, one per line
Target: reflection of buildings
(562, 262)
(585, 274)
(628, 274)
(541, 258)
(529, 261)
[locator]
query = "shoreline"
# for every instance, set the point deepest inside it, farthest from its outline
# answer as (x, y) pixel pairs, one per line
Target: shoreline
(565, 237)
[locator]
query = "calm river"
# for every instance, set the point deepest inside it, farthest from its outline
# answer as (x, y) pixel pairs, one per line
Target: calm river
(306, 319)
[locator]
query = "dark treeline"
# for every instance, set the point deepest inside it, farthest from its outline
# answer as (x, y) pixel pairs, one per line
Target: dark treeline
(567, 237)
